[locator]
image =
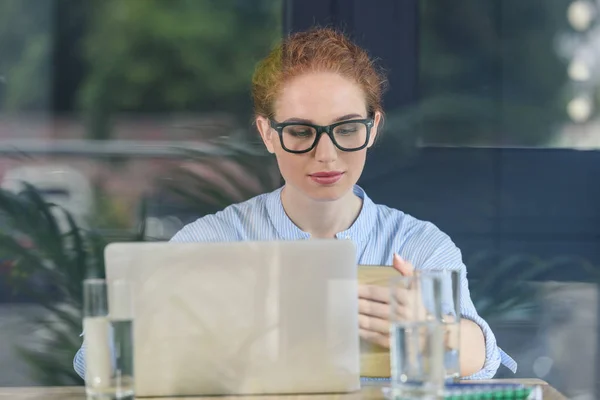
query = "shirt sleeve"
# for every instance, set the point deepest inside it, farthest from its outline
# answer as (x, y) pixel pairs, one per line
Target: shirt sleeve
(79, 361)
(210, 228)
(432, 249)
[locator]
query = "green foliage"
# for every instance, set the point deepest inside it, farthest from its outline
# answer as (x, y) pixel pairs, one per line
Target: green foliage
(30, 236)
(25, 54)
(240, 172)
(488, 70)
(506, 290)
(155, 55)
(139, 55)
(40, 251)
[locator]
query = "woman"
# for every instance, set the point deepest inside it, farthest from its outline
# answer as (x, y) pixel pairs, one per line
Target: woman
(318, 108)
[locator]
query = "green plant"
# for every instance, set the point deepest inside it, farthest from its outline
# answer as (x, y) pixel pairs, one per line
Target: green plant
(154, 54)
(43, 242)
(506, 290)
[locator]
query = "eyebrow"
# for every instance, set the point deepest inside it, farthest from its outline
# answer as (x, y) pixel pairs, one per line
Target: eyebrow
(338, 119)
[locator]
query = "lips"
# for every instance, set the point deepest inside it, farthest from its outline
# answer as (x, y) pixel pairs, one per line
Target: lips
(326, 174)
(326, 177)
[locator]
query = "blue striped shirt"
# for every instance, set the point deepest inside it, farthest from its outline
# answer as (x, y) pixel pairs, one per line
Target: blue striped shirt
(378, 233)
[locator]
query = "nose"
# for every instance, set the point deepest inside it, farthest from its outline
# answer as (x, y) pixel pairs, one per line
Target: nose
(325, 151)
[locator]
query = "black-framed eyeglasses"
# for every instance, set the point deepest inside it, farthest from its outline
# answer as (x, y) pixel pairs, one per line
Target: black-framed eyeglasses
(351, 135)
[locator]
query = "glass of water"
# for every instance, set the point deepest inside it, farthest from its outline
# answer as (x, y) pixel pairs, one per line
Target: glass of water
(451, 312)
(417, 337)
(108, 339)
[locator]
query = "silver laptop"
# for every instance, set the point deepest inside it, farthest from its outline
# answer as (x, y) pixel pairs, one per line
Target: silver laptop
(273, 317)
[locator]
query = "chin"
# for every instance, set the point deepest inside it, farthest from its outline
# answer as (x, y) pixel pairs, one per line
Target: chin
(328, 193)
(321, 193)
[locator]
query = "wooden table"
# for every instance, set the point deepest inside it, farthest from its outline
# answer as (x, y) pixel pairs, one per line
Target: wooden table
(368, 392)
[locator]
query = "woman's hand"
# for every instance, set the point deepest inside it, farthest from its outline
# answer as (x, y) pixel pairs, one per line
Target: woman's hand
(374, 306)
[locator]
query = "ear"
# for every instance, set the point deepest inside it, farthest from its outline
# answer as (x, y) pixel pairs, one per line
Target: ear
(377, 120)
(266, 133)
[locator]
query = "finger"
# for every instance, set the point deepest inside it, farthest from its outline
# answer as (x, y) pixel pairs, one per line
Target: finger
(402, 296)
(373, 308)
(374, 292)
(402, 266)
(374, 337)
(406, 305)
(401, 313)
(374, 324)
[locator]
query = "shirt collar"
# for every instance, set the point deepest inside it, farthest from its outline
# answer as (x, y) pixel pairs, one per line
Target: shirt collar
(358, 231)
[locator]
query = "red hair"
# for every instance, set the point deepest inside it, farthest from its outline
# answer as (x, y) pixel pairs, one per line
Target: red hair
(316, 50)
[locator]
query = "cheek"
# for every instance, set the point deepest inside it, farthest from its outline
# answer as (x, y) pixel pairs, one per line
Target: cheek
(355, 161)
(290, 164)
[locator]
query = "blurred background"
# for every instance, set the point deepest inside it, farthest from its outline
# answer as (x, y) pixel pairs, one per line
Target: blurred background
(126, 119)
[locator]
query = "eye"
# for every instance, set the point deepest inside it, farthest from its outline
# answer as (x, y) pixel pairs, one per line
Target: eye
(346, 131)
(299, 131)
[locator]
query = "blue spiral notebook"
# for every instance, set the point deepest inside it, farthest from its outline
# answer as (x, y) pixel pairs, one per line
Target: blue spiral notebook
(484, 391)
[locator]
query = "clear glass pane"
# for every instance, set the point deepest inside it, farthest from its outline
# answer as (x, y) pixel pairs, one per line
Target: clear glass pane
(351, 135)
(129, 116)
(298, 137)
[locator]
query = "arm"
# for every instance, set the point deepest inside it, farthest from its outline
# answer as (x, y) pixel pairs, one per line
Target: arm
(480, 356)
(79, 361)
(472, 348)
(470, 343)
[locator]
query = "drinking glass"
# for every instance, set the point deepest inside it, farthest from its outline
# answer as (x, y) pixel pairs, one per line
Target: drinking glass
(450, 319)
(417, 337)
(108, 339)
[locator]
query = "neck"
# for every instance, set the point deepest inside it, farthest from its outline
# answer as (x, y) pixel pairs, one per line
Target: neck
(321, 219)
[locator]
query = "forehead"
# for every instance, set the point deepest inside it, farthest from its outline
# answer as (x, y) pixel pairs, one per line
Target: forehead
(320, 98)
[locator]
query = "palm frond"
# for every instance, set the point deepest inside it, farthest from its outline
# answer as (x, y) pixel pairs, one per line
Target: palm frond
(210, 182)
(507, 284)
(60, 256)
